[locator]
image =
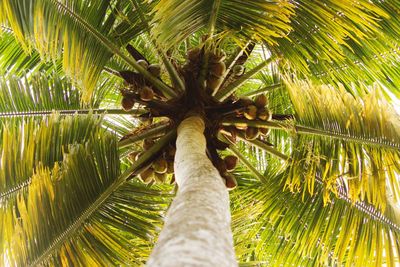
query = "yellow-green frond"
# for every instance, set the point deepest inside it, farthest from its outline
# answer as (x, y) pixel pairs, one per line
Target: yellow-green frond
(352, 143)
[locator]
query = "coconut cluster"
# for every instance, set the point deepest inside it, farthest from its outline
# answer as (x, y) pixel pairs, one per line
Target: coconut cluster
(256, 109)
(200, 86)
(137, 85)
(162, 168)
(225, 167)
(217, 70)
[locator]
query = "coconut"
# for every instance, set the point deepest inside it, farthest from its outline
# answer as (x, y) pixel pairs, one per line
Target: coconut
(241, 126)
(251, 112)
(244, 101)
(147, 175)
(230, 182)
(265, 131)
(146, 93)
(264, 114)
(160, 178)
(160, 165)
(127, 103)
(230, 162)
(132, 155)
(154, 69)
(261, 101)
(251, 133)
(218, 69)
(147, 143)
(238, 70)
(143, 63)
(220, 165)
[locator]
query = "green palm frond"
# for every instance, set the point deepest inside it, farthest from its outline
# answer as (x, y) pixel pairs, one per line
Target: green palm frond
(15, 60)
(40, 94)
(37, 92)
(176, 20)
(64, 234)
(324, 31)
(42, 145)
(278, 228)
(368, 170)
(370, 60)
(83, 57)
(371, 68)
(98, 216)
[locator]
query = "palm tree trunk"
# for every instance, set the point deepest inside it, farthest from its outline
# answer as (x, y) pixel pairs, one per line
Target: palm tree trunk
(197, 229)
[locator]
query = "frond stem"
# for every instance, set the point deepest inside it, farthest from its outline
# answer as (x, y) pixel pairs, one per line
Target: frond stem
(312, 131)
(16, 188)
(326, 133)
(71, 112)
(213, 17)
(263, 90)
(158, 129)
(244, 160)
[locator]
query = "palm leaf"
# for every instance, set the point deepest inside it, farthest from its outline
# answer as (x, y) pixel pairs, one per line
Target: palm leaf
(176, 20)
(37, 92)
(83, 55)
(42, 145)
(96, 197)
(98, 215)
(14, 59)
(285, 229)
(368, 61)
(322, 27)
(366, 170)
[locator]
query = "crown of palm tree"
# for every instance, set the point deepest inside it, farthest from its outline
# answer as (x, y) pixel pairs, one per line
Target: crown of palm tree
(300, 92)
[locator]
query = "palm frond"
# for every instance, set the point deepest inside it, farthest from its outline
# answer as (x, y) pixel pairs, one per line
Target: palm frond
(83, 55)
(323, 31)
(42, 145)
(37, 92)
(372, 60)
(374, 67)
(14, 60)
(367, 171)
(280, 228)
(96, 216)
(176, 20)
(390, 216)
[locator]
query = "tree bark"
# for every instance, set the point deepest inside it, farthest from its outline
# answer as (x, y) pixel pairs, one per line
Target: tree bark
(197, 229)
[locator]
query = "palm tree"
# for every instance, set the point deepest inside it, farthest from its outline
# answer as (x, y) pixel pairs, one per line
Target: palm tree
(301, 93)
